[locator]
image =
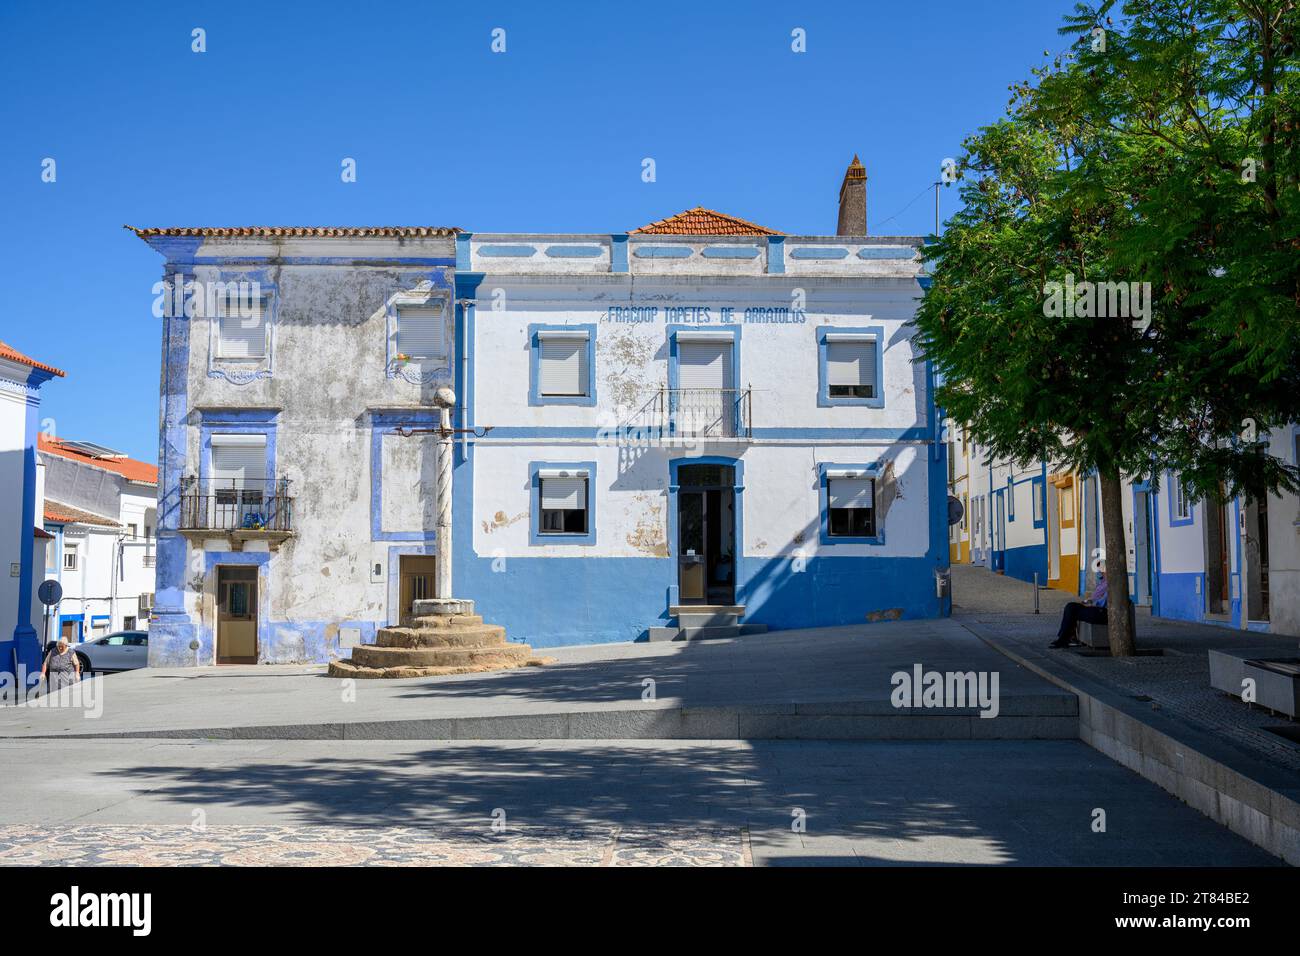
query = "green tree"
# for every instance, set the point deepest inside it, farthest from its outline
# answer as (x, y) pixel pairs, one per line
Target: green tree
(1122, 162)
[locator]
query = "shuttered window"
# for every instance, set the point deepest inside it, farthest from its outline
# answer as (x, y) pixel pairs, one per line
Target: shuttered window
(562, 364)
(241, 332)
(420, 331)
(851, 507)
(851, 367)
(704, 365)
(563, 505)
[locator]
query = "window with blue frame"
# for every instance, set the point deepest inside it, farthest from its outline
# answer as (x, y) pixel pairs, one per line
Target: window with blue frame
(562, 363)
(848, 504)
(562, 503)
(1011, 498)
(1039, 488)
(849, 366)
(1180, 505)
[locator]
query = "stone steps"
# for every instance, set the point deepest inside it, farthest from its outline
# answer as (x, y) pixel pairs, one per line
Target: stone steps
(468, 635)
(443, 636)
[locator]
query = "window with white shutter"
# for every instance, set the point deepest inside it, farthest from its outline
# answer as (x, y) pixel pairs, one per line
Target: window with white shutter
(241, 328)
(238, 477)
(850, 504)
(851, 367)
(420, 331)
(562, 364)
(563, 504)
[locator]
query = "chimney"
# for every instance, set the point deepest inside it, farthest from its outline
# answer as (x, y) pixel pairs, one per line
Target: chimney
(853, 201)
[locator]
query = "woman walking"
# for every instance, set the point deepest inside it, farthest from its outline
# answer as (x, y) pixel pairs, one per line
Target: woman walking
(62, 666)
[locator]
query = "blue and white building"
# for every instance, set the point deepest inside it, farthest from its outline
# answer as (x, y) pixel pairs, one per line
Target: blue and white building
(702, 416)
(22, 540)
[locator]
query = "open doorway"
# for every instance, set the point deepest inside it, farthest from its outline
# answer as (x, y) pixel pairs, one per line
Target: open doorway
(1256, 534)
(1143, 550)
(236, 615)
(1218, 601)
(706, 534)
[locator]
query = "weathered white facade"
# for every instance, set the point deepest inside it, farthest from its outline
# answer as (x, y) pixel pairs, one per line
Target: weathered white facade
(647, 425)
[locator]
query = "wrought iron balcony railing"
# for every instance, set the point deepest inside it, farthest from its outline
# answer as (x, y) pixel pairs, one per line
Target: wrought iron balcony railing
(227, 504)
(705, 412)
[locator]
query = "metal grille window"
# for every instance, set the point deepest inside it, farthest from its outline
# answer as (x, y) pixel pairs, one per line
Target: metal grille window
(851, 366)
(850, 505)
(420, 331)
(563, 504)
(562, 363)
(241, 329)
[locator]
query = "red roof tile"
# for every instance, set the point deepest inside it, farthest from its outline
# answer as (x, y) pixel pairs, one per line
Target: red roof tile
(13, 355)
(704, 222)
(40, 533)
(66, 514)
(128, 468)
(299, 232)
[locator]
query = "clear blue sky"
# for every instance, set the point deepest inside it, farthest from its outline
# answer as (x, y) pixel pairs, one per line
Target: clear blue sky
(546, 137)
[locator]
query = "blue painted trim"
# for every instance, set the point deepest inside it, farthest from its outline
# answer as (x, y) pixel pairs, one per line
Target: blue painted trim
(739, 579)
(663, 252)
(618, 252)
(1011, 498)
(818, 252)
(574, 252)
(823, 506)
(381, 424)
(507, 251)
(722, 332)
(80, 633)
(730, 252)
(776, 255)
(1236, 590)
(605, 435)
(24, 634)
(538, 537)
(824, 397)
(535, 396)
(97, 619)
(1174, 520)
(1038, 488)
(886, 252)
(462, 261)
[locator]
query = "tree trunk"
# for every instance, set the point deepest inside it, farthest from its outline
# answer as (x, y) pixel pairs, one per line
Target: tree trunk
(1122, 642)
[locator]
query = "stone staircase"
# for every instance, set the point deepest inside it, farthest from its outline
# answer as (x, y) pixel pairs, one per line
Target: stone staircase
(441, 637)
(702, 623)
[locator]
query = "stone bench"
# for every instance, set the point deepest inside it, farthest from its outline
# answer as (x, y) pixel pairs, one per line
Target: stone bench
(1277, 679)
(1097, 636)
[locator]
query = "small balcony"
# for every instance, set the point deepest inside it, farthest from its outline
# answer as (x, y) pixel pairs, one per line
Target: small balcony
(237, 509)
(710, 414)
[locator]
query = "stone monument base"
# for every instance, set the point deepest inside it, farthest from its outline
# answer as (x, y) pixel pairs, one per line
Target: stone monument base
(442, 636)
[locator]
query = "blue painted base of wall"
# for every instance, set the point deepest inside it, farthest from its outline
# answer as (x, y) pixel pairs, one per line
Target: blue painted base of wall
(551, 602)
(1024, 563)
(1179, 597)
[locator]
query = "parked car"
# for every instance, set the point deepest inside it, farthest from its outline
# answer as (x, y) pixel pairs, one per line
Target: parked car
(119, 651)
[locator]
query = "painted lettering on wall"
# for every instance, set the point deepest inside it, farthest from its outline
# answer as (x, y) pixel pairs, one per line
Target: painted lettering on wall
(705, 315)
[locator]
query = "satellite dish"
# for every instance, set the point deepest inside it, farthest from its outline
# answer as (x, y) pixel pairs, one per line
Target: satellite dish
(955, 510)
(50, 592)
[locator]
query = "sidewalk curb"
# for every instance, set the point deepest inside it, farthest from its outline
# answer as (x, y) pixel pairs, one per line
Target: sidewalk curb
(1253, 799)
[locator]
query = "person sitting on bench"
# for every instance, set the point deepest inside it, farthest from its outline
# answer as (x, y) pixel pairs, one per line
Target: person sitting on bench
(1092, 611)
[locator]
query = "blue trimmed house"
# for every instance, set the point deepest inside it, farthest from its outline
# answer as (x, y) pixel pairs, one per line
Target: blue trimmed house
(22, 540)
(702, 420)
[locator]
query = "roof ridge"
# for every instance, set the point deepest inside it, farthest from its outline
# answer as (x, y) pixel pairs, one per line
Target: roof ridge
(7, 351)
(678, 224)
(298, 231)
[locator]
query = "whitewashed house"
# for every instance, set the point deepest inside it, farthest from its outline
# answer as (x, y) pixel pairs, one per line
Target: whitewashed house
(699, 420)
(101, 509)
(22, 541)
